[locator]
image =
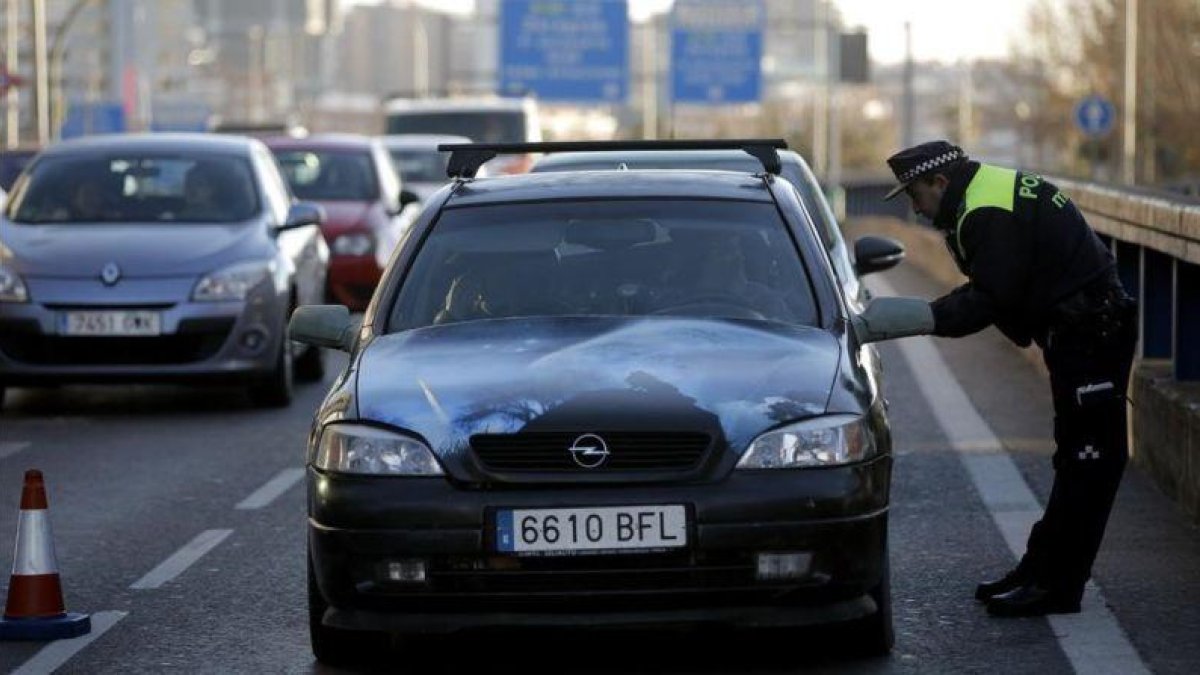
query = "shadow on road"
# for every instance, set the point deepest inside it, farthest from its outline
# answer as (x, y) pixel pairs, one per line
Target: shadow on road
(703, 652)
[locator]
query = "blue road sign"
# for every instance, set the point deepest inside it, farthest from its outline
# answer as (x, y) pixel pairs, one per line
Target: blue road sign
(716, 51)
(85, 119)
(1094, 115)
(565, 50)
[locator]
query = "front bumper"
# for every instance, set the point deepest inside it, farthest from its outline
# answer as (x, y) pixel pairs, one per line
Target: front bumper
(200, 342)
(838, 516)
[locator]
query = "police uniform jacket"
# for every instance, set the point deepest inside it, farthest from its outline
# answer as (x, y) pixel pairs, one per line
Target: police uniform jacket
(1024, 247)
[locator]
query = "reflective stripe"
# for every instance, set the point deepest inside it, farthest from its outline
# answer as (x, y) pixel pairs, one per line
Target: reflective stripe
(992, 186)
(35, 548)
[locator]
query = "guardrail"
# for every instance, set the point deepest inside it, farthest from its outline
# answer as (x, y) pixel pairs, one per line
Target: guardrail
(1156, 241)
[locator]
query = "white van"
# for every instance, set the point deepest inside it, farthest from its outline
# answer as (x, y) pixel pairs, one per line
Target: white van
(483, 120)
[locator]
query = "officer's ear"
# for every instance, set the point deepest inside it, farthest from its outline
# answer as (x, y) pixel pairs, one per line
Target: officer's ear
(940, 181)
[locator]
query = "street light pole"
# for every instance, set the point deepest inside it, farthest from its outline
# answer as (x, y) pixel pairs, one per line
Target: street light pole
(1129, 123)
(41, 80)
(12, 98)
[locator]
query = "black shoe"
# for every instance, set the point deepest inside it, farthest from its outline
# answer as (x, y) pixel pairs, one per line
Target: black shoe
(1011, 581)
(1032, 600)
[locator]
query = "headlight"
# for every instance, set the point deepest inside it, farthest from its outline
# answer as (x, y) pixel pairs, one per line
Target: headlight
(12, 289)
(822, 441)
(353, 244)
(355, 448)
(233, 282)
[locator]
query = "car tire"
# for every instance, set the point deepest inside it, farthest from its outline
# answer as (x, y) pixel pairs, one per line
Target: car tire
(275, 390)
(2, 392)
(335, 646)
(310, 366)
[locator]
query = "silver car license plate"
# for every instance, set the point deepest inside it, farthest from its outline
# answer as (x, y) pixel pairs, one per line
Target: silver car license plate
(111, 323)
(591, 530)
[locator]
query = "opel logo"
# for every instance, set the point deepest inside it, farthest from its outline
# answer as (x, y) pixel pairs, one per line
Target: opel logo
(589, 451)
(110, 274)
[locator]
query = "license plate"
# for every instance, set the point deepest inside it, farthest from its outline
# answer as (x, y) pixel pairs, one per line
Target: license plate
(128, 323)
(591, 530)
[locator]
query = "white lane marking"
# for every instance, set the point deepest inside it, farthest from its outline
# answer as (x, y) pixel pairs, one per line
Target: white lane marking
(10, 448)
(272, 489)
(54, 655)
(181, 559)
(1092, 640)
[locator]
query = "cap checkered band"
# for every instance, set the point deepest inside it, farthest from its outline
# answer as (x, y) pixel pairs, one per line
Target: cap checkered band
(931, 164)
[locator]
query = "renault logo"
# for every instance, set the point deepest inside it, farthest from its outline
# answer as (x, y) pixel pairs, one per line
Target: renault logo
(110, 274)
(589, 451)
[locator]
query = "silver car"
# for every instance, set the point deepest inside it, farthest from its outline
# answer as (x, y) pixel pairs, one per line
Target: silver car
(165, 257)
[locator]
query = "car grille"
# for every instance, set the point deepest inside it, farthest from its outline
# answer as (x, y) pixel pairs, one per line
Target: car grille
(196, 340)
(630, 451)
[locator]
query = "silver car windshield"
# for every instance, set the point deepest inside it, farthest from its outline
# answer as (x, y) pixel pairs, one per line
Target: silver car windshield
(710, 258)
(136, 188)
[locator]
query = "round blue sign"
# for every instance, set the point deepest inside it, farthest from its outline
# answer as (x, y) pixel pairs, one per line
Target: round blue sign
(1094, 115)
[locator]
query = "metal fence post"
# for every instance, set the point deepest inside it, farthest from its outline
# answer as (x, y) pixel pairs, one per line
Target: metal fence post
(1157, 302)
(1187, 321)
(1129, 267)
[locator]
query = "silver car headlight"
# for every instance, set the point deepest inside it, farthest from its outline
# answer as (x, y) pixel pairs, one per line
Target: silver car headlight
(357, 244)
(233, 282)
(12, 289)
(357, 448)
(822, 441)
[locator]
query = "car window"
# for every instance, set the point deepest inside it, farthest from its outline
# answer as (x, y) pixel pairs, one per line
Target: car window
(484, 126)
(141, 188)
(329, 175)
(705, 258)
(421, 166)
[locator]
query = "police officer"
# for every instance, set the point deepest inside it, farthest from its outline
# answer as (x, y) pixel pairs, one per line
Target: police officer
(1038, 272)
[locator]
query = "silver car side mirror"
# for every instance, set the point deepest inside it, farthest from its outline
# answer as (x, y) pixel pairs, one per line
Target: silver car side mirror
(323, 326)
(891, 318)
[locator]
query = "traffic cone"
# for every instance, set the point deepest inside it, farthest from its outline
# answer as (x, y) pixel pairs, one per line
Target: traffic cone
(35, 609)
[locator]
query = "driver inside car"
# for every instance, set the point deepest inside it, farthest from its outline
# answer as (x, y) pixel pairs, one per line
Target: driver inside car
(709, 278)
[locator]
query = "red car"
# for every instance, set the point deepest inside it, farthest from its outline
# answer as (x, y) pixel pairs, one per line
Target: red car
(352, 177)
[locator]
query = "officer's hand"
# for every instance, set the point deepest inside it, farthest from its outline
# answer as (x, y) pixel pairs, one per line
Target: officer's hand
(890, 318)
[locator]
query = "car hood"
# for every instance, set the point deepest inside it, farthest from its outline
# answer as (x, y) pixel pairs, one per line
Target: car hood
(140, 249)
(342, 215)
(737, 378)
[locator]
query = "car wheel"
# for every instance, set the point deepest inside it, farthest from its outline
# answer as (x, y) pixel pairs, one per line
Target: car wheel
(275, 390)
(310, 367)
(2, 391)
(335, 646)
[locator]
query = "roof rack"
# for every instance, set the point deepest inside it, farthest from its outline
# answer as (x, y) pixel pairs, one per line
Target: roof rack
(466, 158)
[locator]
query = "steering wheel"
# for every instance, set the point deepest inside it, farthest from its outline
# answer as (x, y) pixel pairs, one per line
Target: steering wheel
(712, 304)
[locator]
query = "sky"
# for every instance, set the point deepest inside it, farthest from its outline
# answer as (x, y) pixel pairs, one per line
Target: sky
(945, 30)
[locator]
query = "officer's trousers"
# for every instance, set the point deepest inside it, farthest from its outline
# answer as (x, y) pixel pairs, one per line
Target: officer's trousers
(1089, 374)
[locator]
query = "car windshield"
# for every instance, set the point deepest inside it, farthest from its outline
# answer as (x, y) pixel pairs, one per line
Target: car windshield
(709, 258)
(329, 175)
(484, 126)
(137, 188)
(421, 166)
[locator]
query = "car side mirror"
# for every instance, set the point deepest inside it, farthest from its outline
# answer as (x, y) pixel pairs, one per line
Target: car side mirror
(408, 197)
(875, 254)
(891, 318)
(301, 214)
(323, 326)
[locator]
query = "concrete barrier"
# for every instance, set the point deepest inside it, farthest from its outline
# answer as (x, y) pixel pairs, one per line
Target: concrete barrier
(1166, 413)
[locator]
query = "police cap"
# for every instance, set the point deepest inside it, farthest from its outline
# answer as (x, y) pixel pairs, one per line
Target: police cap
(919, 160)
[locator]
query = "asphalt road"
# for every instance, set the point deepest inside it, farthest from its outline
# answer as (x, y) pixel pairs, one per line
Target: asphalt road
(137, 474)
